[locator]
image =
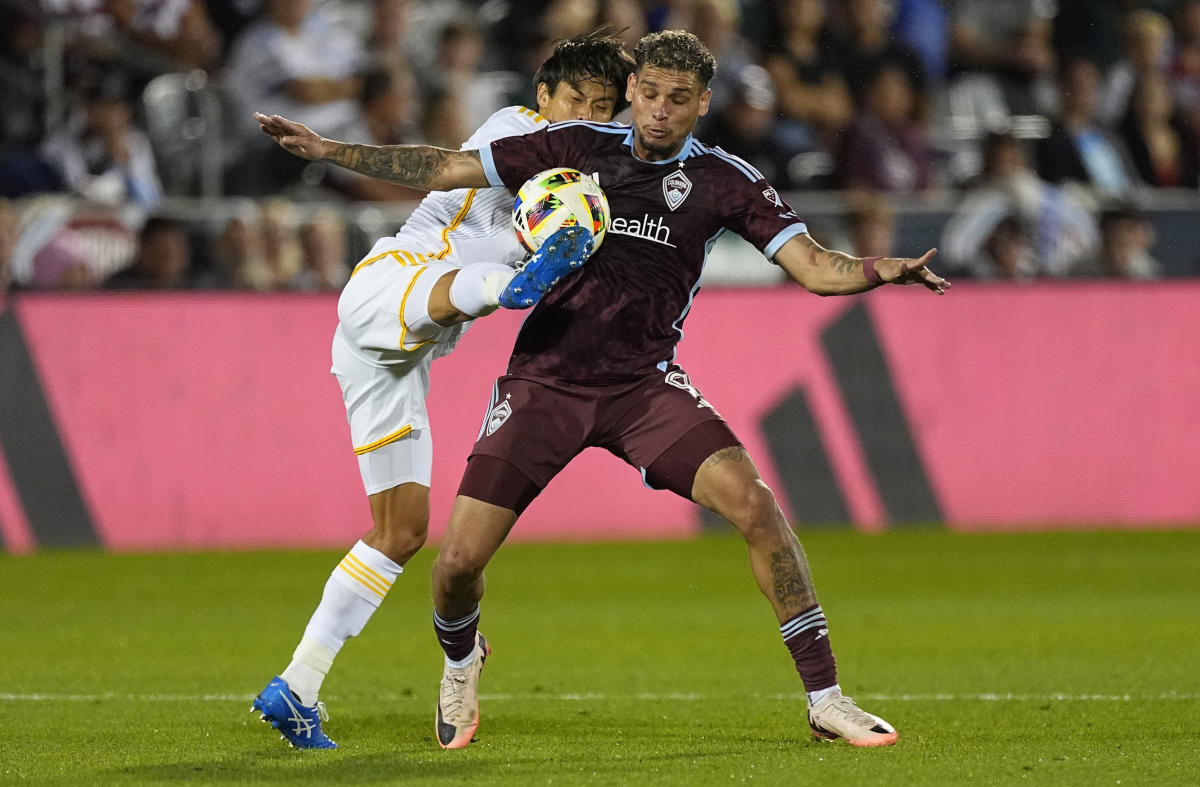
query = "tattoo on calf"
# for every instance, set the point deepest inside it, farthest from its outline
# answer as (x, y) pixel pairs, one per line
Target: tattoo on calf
(793, 586)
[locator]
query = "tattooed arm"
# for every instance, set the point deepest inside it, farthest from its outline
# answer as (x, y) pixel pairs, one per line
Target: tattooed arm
(828, 272)
(416, 166)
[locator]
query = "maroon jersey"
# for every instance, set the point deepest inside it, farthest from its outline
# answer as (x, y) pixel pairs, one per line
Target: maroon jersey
(622, 314)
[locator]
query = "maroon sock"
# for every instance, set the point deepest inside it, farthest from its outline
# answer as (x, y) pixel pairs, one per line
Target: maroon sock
(807, 639)
(457, 637)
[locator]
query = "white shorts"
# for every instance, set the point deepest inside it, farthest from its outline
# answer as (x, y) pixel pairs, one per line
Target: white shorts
(382, 351)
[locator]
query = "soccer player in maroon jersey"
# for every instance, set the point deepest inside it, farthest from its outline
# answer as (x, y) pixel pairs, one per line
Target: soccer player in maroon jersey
(594, 364)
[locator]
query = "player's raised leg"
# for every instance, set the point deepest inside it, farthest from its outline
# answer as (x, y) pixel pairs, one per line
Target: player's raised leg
(729, 484)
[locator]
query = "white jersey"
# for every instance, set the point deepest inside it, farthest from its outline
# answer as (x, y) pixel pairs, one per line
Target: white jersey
(469, 225)
(381, 365)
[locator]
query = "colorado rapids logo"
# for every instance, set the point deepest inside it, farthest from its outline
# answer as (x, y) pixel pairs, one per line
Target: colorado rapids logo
(676, 188)
(499, 414)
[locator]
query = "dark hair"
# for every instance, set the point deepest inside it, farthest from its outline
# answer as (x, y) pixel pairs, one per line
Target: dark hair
(375, 83)
(594, 56)
(676, 50)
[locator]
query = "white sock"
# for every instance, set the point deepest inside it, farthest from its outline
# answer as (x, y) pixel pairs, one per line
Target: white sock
(476, 289)
(816, 696)
(353, 592)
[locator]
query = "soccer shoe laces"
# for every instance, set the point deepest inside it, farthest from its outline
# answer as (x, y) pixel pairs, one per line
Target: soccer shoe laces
(843, 707)
(454, 689)
(322, 713)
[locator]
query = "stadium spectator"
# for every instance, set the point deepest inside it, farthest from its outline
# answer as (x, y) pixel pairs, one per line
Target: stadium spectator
(1146, 47)
(237, 252)
(747, 126)
(1126, 239)
(22, 38)
(99, 153)
(1078, 150)
(163, 260)
(813, 97)
(1007, 252)
(1060, 230)
(715, 22)
(296, 62)
(178, 33)
(924, 26)
(458, 75)
(1163, 148)
(323, 254)
(1008, 42)
(866, 45)
(885, 148)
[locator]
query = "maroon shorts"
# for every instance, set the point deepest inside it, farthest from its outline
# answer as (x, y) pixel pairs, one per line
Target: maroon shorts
(660, 425)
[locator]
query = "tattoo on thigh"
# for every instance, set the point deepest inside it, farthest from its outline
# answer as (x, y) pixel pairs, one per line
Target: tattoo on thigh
(793, 586)
(734, 453)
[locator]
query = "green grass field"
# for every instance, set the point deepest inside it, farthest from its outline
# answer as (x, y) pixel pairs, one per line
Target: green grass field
(1057, 659)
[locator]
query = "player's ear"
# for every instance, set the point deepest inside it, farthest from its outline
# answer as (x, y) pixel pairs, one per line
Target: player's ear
(705, 97)
(629, 83)
(543, 97)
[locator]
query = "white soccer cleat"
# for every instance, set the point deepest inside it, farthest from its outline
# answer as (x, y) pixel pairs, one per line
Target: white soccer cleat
(458, 701)
(836, 716)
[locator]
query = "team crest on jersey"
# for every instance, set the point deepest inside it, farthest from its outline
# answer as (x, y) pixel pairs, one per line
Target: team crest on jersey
(773, 196)
(676, 188)
(499, 414)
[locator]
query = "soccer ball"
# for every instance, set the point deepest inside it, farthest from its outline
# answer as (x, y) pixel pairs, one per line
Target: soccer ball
(556, 198)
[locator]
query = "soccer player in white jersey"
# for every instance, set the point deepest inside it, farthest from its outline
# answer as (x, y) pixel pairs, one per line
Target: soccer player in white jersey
(406, 304)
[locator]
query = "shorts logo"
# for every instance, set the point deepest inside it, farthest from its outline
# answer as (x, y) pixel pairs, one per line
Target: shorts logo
(680, 380)
(499, 414)
(676, 188)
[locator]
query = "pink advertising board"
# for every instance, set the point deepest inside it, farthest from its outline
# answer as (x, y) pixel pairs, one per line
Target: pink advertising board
(211, 420)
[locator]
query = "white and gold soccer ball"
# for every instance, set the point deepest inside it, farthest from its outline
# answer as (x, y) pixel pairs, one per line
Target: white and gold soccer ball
(556, 198)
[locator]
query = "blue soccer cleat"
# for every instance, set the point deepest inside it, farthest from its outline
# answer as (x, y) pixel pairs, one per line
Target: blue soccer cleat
(300, 725)
(564, 251)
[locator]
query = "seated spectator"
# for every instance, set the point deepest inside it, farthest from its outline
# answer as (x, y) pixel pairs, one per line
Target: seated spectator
(747, 127)
(715, 22)
(163, 260)
(281, 253)
(924, 25)
(1007, 253)
(323, 261)
(813, 97)
(885, 149)
(236, 250)
(1163, 148)
(1061, 231)
(179, 33)
(1078, 150)
(868, 45)
(1006, 41)
(1126, 238)
(99, 153)
(296, 63)
(1146, 48)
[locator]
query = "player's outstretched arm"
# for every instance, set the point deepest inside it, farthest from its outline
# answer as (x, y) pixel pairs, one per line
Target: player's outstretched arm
(828, 272)
(416, 166)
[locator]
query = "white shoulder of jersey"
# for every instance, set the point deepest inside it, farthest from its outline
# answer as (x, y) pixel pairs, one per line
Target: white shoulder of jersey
(507, 122)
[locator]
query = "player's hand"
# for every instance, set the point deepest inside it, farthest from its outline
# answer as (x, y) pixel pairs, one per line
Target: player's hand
(295, 138)
(904, 270)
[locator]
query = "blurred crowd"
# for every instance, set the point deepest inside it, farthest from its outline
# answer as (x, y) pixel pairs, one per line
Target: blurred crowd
(1048, 122)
